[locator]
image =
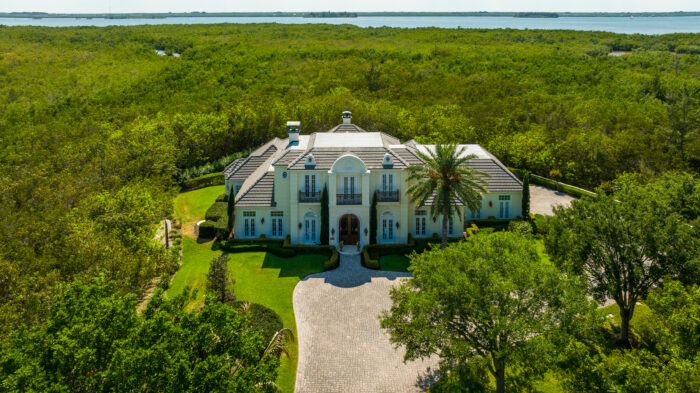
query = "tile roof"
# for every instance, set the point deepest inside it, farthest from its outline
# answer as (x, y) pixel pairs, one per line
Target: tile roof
(241, 170)
(262, 193)
(501, 179)
(288, 157)
(233, 166)
(407, 155)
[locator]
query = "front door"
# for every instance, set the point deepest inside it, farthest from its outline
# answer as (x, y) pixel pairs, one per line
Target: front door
(349, 226)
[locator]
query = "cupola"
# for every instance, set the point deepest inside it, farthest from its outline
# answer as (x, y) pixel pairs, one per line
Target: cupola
(347, 117)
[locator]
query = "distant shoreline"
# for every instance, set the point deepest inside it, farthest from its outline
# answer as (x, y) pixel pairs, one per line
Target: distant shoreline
(41, 15)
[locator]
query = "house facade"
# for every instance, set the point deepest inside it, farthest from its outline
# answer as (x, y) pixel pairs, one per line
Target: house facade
(278, 187)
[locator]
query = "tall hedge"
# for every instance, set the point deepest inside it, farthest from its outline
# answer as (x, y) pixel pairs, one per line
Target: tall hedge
(526, 196)
(373, 220)
(324, 215)
(231, 207)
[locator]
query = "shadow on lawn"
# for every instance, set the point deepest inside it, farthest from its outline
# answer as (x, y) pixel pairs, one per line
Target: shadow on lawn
(299, 266)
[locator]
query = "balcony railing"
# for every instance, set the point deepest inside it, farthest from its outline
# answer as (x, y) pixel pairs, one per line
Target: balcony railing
(388, 196)
(309, 196)
(349, 199)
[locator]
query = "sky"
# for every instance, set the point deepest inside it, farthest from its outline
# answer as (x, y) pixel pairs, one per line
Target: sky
(124, 6)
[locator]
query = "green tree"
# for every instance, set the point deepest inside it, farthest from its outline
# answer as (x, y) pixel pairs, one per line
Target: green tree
(373, 219)
(94, 341)
(683, 112)
(219, 281)
(230, 210)
(443, 181)
(624, 244)
(483, 299)
(526, 196)
(325, 215)
(667, 360)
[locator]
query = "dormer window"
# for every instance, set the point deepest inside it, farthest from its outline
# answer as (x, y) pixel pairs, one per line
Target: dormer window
(388, 162)
(310, 162)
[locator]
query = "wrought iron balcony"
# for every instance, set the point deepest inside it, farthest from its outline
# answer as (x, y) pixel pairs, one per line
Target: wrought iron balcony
(349, 199)
(388, 196)
(309, 196)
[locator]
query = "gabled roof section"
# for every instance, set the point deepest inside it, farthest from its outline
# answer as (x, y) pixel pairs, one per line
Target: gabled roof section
(260, 194)
(241, 170)
(406, 154)
(501, 179)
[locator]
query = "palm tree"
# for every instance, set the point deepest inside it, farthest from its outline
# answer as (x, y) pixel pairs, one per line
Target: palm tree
(446, 179)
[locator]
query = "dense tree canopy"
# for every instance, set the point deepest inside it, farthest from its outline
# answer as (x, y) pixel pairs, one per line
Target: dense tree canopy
(92, 120)
(93, 341)
(626, 243)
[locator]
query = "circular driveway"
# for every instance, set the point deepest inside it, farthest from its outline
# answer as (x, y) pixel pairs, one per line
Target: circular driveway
(341, 346)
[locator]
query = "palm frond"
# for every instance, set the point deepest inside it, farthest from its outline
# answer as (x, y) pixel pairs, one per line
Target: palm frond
(277, 345)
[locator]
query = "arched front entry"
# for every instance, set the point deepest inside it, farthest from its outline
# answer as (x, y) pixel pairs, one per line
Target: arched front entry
(349, 229)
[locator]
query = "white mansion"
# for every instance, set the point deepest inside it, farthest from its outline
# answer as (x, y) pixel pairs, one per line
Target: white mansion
(278, 187)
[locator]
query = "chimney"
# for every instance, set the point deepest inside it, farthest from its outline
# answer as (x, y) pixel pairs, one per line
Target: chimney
(347, 117)
(293, 129)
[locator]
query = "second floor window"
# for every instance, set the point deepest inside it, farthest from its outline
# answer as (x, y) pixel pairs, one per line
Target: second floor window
(387, 182)
(349, 185)
(309, 184)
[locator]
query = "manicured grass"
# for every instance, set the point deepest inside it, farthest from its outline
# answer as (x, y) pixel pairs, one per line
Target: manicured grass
(394, 263)
(191, 206)
(260, 277)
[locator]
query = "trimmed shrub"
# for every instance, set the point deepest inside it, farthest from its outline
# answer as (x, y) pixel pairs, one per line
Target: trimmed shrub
(305, 249)
(526, 196)
(325, 216)
(332, 262)
(217, 211)
(207, 230)
(373, 219)
(369, 262)
(539, 224)
(213, 179)
(221, 198)
(472, 230)
(261, 317)
(496, 224)
(521, 227)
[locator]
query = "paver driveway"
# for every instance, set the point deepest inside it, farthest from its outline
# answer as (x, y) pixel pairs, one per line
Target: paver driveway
(543, 200)
(341, 346)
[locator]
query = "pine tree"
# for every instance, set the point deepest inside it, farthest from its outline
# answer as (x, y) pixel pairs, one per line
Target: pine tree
(526, 196)
(373, 220)
(219, 281)
(324, 215)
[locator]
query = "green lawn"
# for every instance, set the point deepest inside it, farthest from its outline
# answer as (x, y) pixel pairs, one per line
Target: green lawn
(260, 277)
(394, 263)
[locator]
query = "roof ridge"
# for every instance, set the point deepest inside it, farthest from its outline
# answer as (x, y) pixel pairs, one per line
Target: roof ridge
(397, 156)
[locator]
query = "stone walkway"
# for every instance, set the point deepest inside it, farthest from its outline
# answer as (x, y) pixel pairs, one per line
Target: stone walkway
(543, 199)
(341, 346)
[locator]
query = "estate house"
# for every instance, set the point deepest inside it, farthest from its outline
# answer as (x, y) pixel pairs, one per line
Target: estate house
(278, 187)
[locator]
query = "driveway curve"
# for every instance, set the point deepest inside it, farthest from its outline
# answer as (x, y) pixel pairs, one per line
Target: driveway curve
(341, 346)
